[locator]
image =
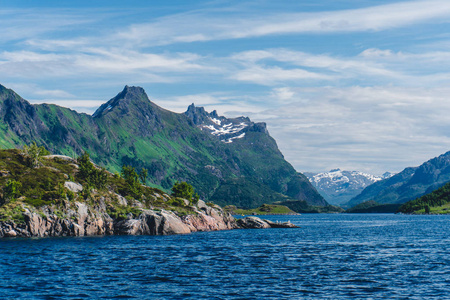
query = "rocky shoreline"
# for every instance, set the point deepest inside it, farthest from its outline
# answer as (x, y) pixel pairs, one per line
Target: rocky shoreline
(88, 221)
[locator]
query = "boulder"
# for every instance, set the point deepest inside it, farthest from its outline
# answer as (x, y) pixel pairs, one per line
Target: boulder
(257, 223)
(280, 225)
(11, 233)
(252, 223)
(73, 186)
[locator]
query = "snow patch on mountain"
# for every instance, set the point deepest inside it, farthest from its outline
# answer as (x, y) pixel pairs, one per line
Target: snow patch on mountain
(218, 130)
(217, 121)
(230, 140)
(226, 129)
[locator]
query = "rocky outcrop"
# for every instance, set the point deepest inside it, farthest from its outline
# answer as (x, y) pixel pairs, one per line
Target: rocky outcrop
(257, 223)
(84, 220)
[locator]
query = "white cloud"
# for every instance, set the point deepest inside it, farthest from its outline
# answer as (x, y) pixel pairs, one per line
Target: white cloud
(54, 94)
(273, 75)
(20, 24)
(371, 65)
(82, 106)
(129, 61)
(94, 61)
(222, 102)
(283, 94)
(190, 27)
(373, 129)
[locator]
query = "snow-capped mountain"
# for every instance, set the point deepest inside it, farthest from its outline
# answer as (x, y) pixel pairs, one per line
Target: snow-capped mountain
(338, 186)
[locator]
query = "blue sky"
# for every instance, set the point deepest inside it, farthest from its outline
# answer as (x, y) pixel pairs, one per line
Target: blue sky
(360, 85)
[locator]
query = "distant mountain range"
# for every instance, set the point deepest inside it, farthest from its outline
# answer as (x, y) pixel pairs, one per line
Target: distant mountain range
(338, 186)
(228, 161)
(409, 184)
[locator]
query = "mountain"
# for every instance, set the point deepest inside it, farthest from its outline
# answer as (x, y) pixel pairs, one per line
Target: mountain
(228, 161)
(338, 186)
(409, 184)
(371, 207)
(436, 202)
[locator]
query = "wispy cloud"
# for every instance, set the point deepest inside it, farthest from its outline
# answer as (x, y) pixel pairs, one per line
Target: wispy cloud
(22, 24)
(273, 75)
(376, 65)
(30, 64)
(190, 27)
(357, 127)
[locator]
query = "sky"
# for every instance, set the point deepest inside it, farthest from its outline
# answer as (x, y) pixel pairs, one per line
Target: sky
(351, 84)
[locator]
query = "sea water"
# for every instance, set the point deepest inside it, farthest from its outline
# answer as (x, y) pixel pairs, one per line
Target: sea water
(331, 256)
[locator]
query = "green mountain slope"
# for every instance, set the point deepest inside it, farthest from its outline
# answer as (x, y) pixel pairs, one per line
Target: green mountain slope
(409, 184)
(130, 129)
(437, 202)
(370, 207)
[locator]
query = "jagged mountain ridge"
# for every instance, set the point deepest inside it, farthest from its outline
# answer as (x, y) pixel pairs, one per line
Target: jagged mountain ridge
(411, 183)
(225, 129)
(130, 129)
(339, 186)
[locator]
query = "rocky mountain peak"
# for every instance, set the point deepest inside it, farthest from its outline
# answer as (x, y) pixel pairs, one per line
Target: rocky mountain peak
(198, 115)
(7, 93)
(129, 96)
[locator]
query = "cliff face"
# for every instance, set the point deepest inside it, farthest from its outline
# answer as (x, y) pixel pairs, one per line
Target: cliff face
(91, 221)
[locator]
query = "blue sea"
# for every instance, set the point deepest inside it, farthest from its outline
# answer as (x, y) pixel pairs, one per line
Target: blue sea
(331, 256)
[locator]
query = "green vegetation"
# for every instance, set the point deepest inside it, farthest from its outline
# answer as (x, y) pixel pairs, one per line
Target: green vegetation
(43, 187)
(121, 212)
(89, 174)
(23, 183)
(301, 206)
(437, 202)
(133, 186)
(373, 207)
(186, 191)
(11, 190)
(33, 154)
(265, 209)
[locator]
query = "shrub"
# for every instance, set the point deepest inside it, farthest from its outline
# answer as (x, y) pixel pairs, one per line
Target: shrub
(186, 191)
(132, 181)
(143, 175)
(89, 174)
(70, 195)
(11, 190)
(33, 153)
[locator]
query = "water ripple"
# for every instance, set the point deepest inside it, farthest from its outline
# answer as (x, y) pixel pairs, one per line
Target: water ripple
(329, 257)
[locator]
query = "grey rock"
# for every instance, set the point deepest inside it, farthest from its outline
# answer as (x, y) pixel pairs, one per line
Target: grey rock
(280, 225)
(257, 223)
(73, 186)
(252, 223)
(61, 157)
